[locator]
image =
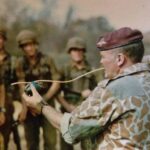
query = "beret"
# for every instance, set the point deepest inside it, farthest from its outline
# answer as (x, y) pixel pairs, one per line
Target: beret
(118, 38)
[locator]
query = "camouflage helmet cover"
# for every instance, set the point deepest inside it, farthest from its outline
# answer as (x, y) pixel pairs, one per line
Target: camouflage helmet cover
(75, 42)
(26, 36)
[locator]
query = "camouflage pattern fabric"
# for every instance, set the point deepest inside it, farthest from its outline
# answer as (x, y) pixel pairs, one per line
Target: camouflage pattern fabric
(116, 115)
(43, 69)
(72, 91)
(7, 75)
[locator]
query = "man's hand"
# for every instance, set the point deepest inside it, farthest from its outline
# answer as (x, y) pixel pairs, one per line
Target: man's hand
(86, 93)
(34, 100)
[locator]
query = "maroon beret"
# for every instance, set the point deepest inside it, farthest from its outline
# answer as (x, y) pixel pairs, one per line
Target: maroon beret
(118, 38)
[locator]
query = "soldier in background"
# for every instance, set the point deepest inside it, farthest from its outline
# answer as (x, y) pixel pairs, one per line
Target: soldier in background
(34, 65)
(75, 92)
(7, 76)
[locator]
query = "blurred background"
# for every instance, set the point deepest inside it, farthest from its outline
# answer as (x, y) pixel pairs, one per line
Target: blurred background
(55, 21)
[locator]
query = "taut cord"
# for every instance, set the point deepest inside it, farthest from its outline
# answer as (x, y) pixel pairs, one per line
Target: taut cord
(58, 81)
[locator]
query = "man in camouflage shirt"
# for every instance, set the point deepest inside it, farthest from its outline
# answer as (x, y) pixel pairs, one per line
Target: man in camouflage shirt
(7, 76)
(116, 115)
(34, 65)
(76, 92)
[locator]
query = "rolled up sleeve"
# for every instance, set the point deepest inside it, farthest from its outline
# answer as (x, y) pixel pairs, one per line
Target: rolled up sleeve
(73, 133)
(82, 122)
(65, 123)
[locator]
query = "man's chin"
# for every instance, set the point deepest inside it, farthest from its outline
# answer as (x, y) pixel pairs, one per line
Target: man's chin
(108, 76)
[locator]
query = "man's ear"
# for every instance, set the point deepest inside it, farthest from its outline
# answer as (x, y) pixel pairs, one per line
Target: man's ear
(121, 59)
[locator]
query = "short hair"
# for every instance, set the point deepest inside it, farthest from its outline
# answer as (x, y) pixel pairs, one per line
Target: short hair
(134, 51)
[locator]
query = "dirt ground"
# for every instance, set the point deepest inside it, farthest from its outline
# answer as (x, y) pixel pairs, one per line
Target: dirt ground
(12, 145)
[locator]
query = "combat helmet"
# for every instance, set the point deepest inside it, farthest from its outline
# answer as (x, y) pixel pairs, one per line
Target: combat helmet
(26, 36)
(76, 42)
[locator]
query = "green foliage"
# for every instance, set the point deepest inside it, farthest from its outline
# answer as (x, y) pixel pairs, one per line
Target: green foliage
(53, 38)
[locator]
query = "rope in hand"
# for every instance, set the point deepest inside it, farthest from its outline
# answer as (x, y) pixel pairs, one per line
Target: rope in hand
(58, 81)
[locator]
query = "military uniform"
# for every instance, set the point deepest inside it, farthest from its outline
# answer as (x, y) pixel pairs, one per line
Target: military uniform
(44, 68)
(8, 76)
(117, 111)
(72, 91)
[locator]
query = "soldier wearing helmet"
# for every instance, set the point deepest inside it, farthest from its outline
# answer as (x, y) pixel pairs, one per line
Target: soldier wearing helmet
(35, 65)
(7, 76)
(76, 43)
(25, 37)
(76, 92)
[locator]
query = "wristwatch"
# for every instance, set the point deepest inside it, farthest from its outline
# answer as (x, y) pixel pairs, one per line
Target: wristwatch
(2, 109)
(42, 104)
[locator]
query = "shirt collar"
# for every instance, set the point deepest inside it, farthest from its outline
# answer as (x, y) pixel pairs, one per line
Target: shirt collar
(136, 68)
(84, 66)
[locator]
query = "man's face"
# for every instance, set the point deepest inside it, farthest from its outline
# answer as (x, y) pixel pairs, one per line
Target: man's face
(109, 62)
(77, 55)
(2, 42)
(30, 49)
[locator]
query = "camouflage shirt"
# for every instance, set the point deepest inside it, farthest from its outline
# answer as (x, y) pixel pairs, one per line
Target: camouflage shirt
(7, 70)
(72, 91)
(44, 68)
(7, 76)
(116, 115)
